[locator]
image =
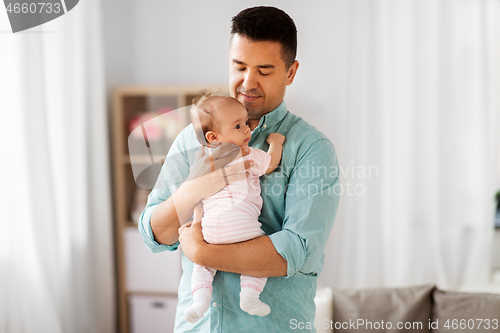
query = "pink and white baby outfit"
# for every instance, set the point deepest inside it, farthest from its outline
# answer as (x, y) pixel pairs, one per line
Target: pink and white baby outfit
(230, 216)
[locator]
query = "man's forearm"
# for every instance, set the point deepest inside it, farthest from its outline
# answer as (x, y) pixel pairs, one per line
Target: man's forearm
(169, 215)
(256, 257)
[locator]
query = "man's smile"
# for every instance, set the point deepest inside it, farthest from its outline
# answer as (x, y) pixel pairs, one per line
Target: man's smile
(249, 97)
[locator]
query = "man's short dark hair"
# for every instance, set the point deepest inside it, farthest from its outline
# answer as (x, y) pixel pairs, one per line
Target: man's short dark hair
(268, 24)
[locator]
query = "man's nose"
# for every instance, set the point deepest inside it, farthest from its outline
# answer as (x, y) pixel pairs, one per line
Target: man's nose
(250, 81)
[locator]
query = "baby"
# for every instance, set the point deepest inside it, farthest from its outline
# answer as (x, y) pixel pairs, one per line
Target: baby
(231, 215)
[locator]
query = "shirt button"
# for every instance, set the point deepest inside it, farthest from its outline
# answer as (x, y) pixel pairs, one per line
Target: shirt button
(265, 125)
(214, 304)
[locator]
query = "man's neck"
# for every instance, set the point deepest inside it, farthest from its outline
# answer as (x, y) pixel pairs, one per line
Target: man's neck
(255, 122)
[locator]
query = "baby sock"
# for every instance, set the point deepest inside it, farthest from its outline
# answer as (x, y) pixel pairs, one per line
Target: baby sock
(250, 302)
(201, 302)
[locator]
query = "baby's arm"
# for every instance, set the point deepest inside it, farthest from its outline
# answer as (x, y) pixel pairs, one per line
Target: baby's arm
(275, 141)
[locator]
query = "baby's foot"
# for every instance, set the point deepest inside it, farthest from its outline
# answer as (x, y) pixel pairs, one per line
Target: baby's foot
(201, 302)
(250, 302)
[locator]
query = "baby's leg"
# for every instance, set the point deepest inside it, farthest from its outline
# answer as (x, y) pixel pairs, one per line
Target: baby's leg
(251, 287)
(201, 287)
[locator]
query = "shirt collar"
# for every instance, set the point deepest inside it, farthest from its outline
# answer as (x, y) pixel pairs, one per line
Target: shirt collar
(273, 117)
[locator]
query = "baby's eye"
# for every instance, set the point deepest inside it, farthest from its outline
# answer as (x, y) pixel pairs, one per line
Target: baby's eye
(246, 122)
(238, 126)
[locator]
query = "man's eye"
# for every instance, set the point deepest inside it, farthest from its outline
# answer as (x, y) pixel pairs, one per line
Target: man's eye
(264, 74)
(240, 69)
(237, 126)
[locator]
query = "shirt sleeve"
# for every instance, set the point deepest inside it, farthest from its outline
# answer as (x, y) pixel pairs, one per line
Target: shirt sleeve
(174, 171)
(311, 203)
(261, 161)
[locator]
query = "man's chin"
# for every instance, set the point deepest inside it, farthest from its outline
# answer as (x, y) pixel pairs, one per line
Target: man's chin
(253, 112)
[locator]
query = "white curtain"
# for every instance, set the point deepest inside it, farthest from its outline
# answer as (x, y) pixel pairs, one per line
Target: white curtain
(417, 142)
(56, 264)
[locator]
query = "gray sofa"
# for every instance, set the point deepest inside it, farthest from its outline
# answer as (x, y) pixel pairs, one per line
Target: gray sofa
(414, 309)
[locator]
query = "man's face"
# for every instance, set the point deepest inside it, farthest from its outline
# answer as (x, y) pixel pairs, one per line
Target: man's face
(258, 77)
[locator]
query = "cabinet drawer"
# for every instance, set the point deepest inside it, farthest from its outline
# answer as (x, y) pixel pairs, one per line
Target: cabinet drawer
(149, 314)
(147, 271)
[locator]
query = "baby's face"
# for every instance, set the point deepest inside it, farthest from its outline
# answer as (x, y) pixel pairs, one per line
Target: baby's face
(232, 121)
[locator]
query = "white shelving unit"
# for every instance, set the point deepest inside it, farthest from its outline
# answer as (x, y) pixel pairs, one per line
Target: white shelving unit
(146, 283)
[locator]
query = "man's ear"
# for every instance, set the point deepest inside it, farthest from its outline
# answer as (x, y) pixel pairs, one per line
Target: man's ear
(211, 136)
(291, 72)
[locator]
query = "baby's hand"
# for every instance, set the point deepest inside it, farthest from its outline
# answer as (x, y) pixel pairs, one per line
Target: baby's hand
(275, 138)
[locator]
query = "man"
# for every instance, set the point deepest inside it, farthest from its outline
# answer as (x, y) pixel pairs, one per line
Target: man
(299, 199)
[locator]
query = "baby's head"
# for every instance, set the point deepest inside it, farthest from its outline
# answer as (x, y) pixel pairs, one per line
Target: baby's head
(218, 118)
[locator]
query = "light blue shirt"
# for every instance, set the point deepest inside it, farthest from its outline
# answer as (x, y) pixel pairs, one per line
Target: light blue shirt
(300, 200)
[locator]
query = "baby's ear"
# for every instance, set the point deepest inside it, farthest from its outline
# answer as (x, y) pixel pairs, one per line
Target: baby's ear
(211, 136)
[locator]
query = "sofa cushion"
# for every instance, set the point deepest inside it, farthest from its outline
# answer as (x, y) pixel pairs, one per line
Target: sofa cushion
(465, 312)
(383, 309)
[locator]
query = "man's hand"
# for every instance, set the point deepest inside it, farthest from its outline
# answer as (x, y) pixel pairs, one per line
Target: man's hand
(208, 175)
(191, 236)
(205, 164)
